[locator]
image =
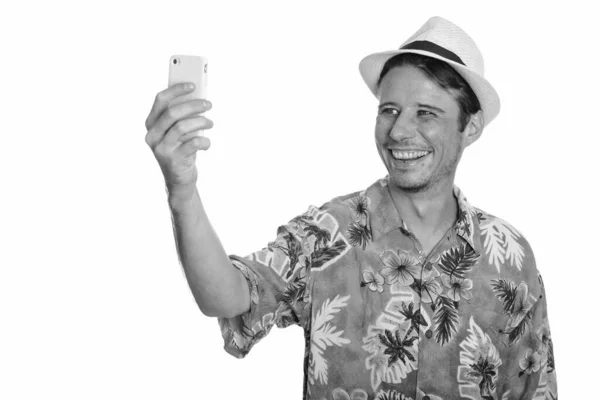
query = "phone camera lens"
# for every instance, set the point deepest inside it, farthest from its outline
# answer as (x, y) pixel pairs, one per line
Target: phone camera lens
(175, 61)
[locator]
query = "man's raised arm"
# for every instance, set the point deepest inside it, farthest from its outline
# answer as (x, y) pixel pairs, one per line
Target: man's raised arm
(218, 287)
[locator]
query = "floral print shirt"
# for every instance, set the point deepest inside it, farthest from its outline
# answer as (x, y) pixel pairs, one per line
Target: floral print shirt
(383, 320)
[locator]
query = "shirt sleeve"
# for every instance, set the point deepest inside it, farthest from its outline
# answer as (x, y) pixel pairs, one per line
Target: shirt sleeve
(279, 280)
(542, 347)
(534, 359)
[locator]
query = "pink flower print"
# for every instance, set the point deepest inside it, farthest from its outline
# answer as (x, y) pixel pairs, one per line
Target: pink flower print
(430, 287)
(361, 206)
(374, 280)
(530, 363)
(522, 304)
(543, 335)
(435, 259)
(430, 291)
(399, 267)
(357, 394)
(459, 287)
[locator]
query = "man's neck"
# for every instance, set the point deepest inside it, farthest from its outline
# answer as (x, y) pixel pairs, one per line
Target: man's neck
(430, 211)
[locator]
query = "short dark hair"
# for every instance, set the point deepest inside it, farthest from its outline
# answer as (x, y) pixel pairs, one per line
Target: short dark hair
(444, 75)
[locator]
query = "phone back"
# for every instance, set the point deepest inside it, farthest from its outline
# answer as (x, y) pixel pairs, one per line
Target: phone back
(183, 68)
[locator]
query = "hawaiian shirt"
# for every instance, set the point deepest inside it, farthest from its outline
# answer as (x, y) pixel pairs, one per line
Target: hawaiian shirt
(384, 320)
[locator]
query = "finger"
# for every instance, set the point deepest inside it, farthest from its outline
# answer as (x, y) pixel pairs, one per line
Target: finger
(193, 145)
(173, 114)
(162, 99)
(180, 132)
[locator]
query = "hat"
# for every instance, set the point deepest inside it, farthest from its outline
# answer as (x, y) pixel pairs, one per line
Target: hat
(441, 39)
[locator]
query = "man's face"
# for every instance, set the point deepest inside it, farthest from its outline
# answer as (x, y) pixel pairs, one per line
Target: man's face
(418, 116)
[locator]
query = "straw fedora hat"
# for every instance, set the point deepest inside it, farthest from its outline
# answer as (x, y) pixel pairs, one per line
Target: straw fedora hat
(441, 39)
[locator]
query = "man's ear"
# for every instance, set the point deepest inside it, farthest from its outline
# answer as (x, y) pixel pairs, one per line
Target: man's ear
(474, 128)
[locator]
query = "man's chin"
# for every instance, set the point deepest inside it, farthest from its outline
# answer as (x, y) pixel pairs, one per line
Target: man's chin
(409, 185)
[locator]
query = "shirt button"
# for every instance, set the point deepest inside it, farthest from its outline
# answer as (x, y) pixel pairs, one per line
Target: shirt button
(428, 334)
(428, 266)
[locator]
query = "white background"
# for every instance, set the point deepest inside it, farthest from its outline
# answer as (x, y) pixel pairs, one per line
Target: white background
(93, 302)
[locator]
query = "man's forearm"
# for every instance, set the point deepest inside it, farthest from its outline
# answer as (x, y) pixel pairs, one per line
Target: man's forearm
(219, 288)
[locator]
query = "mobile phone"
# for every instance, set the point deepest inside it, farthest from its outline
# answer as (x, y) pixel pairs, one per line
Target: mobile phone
(184, 68)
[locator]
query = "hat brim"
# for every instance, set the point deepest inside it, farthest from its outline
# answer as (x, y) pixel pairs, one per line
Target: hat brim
(370, 68)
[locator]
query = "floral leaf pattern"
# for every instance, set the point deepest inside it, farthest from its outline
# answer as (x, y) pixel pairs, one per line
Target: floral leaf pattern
(323, 255)
(380, 315)
(359, 235)
(550, 356)
(543, 346)
(397, 348)
(309, 241)
(480, 361)
(517, 304)
(359, 230)
(290, 246)
(391, 395)
(457, 261)
(295, 290)
(428, 287)
(446, 318)
(506, 292)
(414, 316)
(516, 332)
(323, 335)
(464, 224)
(382, 341)
(501, 243)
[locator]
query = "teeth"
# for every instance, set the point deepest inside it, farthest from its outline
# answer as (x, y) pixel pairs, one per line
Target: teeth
(409, 155)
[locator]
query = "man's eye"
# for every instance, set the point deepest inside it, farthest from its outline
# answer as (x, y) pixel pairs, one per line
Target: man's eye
(389, 111)
(425, 113)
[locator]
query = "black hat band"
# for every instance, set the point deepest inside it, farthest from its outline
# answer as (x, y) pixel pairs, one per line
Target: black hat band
(433, 48)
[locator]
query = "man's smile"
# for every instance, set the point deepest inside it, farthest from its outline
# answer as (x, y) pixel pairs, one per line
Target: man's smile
(409, 157)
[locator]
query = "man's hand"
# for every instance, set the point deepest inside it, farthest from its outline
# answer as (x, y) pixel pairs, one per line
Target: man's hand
(172, 135)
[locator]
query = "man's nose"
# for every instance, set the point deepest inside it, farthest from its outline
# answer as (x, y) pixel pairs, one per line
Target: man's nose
(404, 127)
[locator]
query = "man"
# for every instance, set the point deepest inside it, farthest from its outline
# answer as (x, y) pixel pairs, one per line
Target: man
(404, 290)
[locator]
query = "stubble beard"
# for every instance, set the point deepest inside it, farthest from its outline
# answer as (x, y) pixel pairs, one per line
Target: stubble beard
(426, 183)
(416, 186)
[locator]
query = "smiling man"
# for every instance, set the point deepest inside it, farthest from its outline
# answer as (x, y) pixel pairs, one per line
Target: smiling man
(427, 115)
(404, 290)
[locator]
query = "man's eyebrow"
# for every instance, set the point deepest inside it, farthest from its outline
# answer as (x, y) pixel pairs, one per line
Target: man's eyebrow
(387, 103)
(434, 108)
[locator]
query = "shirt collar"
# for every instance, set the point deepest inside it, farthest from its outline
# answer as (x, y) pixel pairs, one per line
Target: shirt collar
(384, 216)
